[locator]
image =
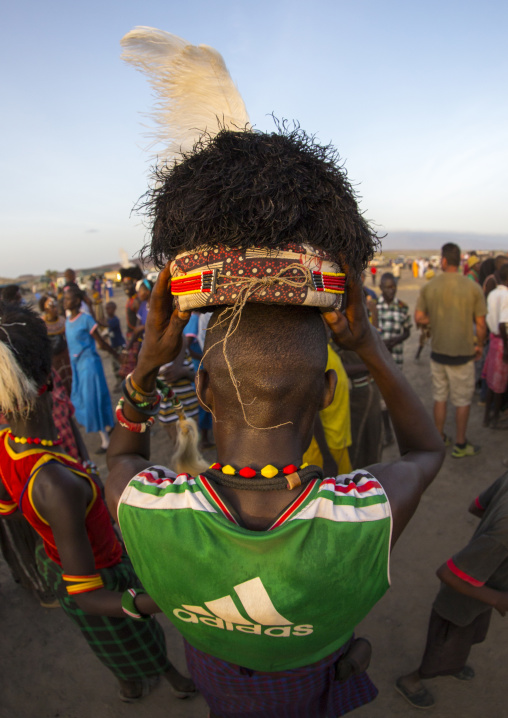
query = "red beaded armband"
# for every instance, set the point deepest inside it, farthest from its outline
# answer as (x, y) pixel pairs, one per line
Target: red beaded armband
(134, 426)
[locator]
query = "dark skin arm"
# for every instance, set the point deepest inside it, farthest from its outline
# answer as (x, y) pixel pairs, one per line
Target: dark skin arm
(80, 444)
(138, 331)
(102, 343)
(421, 319)
(490, 596)
(129, 452)
(62, 498)
(420, 444)
(481, 336)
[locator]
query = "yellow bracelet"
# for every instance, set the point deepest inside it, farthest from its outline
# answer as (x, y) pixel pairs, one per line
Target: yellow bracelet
(83, 584)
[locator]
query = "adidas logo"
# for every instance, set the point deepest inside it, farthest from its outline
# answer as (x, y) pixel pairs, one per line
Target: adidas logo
(223, 613)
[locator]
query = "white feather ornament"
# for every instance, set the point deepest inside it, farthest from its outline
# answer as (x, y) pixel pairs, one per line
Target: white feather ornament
(194, 90)
(18, 393)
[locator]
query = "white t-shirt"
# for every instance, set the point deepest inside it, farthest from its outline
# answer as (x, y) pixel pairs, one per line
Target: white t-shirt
(497, 308)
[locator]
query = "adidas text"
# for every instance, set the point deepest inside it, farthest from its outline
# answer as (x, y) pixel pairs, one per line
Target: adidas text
(254, 628)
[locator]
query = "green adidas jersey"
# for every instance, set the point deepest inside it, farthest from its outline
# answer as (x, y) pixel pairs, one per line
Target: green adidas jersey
(267, 600)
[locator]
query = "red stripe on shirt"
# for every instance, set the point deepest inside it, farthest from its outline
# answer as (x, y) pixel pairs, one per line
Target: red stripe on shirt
(478, 504)
(153, 478)
(294, 506)
(353, 487)
(215, 496)
(464, 576)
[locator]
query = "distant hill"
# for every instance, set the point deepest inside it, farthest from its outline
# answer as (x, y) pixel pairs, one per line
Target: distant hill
(435, 240)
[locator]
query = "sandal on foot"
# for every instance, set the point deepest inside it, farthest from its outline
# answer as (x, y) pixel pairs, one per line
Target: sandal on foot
(421, 698)
(465, 674)
(147, 686)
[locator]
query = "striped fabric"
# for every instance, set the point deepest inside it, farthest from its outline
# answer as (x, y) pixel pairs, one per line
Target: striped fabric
(310, 692)
(132, 650)
(185, 391)
(355, 497)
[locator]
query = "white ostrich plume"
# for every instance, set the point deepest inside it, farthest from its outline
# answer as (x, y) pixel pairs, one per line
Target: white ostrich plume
(18, 393)
(194, 90)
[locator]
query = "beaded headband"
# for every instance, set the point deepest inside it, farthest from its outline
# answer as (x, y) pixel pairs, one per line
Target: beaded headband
(294, 274)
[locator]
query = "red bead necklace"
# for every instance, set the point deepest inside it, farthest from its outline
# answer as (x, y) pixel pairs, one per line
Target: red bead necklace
(35, 440)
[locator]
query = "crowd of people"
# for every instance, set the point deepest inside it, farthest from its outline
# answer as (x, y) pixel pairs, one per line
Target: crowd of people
(295, 396)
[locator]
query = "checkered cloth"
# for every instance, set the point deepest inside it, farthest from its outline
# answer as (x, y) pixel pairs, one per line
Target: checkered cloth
(132, 650)
(63, 411)
(308, 692)
(393, 319)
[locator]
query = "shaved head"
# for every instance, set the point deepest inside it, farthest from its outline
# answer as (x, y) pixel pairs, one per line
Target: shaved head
(277, 356)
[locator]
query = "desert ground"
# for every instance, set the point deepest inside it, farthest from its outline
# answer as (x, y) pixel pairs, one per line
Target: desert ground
(47, 671)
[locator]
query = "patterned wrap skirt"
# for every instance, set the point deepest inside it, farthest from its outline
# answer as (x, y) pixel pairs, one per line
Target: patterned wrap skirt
(309, 692)
(131, 649)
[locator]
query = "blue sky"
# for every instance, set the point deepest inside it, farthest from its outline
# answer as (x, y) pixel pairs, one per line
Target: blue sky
(413, 95)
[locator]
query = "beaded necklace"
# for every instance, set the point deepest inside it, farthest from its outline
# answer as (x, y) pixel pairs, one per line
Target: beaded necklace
(269, 478)
(34, 440)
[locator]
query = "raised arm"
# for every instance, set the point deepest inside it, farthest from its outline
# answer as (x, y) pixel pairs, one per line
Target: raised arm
(421, 447)
(485, 594)
(129, 452)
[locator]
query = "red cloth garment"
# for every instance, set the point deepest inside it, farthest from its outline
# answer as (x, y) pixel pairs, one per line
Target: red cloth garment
(18, 472)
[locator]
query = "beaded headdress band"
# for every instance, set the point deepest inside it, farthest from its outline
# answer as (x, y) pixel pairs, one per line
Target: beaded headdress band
(294, 274)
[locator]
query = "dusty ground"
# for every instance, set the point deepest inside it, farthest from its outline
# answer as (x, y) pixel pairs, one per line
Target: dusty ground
(48, 672)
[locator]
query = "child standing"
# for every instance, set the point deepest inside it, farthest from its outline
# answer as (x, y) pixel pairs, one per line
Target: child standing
(394, 325)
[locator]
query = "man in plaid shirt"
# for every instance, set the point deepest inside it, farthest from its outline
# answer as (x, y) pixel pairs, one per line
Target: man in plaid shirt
(394, 322)
(394, 325)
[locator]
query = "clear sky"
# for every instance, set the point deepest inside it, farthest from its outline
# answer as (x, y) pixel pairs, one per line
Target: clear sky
(413, 95)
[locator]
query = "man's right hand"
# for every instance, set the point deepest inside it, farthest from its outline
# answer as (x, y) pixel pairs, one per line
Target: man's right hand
(351, 328)
(163, 332)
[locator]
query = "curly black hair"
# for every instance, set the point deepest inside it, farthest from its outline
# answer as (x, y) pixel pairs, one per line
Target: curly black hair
(24, 332)
(248, 188)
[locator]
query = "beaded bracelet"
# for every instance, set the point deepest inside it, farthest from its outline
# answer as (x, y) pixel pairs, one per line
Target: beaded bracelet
(138, 427)
(129, 604)
(147, 408)
(139, 397)
(138, 388)
(83, 584)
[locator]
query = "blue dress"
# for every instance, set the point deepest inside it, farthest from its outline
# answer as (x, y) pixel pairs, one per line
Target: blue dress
(90, 393)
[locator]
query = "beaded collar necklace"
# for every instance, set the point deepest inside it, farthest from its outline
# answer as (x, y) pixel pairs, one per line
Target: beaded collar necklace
(34, 440)
(269, 478)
